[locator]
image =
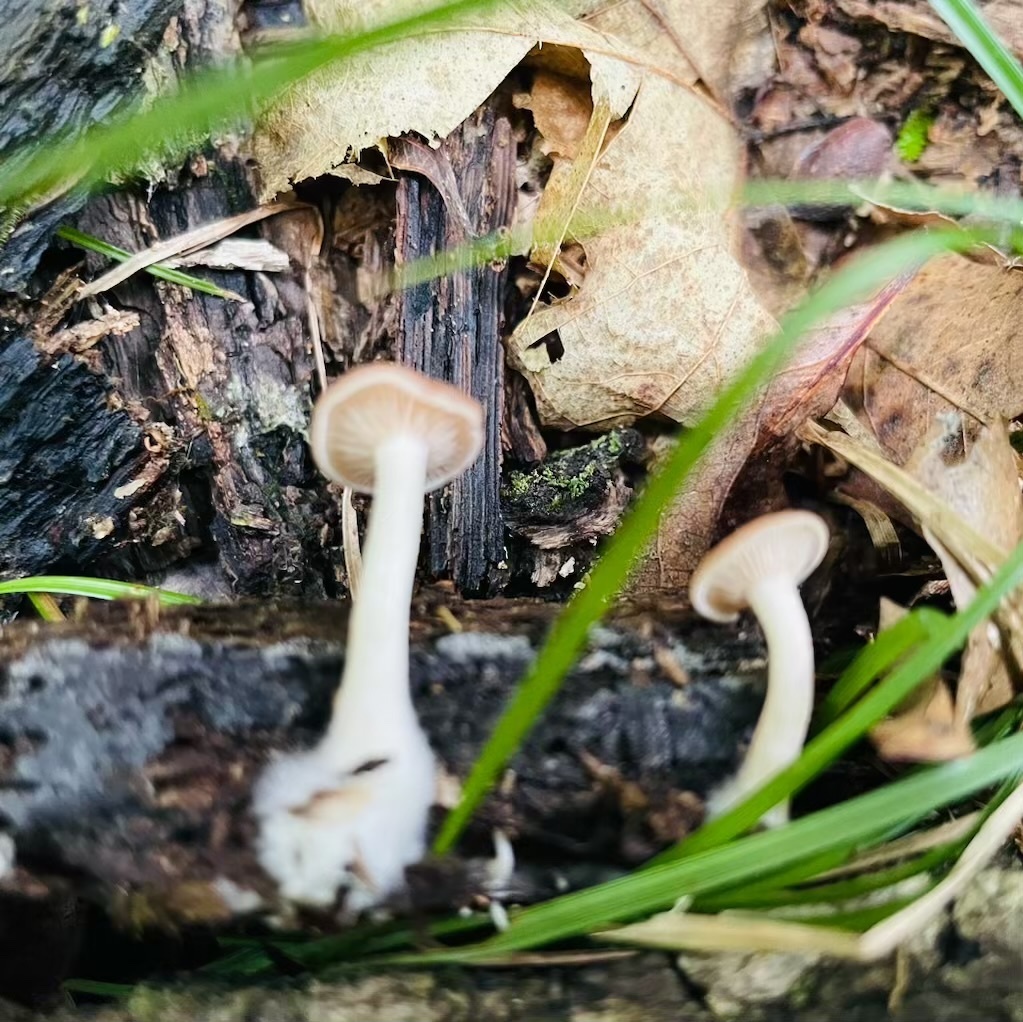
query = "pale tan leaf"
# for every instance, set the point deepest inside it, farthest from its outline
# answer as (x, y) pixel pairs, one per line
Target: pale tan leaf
(666, 314)
(426, 84)
(951, 339)
(711, 40)
(982, 485)
(750, 454)
(958, 541)
(929, 731)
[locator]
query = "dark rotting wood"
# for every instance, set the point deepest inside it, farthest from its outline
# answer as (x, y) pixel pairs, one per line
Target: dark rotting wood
(61, 71)
(130, 739)
(231, 381)
(451, 327)
(73, 468)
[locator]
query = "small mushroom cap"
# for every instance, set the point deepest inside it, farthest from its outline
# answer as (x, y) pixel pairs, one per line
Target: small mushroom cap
(373, 404)
(789, 543)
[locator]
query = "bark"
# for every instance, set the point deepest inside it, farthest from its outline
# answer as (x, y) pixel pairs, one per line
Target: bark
(86, 61)
(452, 328)
(74, 469)
(130, 739)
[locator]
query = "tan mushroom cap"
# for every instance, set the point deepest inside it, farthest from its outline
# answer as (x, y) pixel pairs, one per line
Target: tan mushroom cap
(792, 543)
(372, 404)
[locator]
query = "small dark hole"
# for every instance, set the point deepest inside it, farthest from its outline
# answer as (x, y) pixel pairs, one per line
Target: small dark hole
(555, 349)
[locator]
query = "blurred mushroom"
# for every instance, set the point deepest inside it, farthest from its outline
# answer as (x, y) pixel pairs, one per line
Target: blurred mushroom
(760, 566)
(352, 812)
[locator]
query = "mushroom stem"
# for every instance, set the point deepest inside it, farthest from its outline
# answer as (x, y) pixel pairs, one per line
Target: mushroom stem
(373, 706)
(785, 718)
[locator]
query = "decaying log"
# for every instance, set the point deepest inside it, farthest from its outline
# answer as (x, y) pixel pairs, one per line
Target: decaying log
(64, 67)
(232, 382)
(130, 739)
(76, 470)
(451, 328)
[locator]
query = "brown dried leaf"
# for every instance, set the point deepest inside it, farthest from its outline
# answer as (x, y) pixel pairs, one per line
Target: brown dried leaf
(957, 540)
(427, 83)
(562, 108)
(926, 728)
(740, 477)
(717, 42)
(982, 485)
(954, 332)
(666, 313)
(918, 17)
(929, 731)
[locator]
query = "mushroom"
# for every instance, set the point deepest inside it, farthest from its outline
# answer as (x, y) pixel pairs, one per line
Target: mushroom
(352, 812)
(760, 566)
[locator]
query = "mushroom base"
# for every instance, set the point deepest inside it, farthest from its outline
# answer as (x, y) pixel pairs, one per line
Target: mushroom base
(323, 831)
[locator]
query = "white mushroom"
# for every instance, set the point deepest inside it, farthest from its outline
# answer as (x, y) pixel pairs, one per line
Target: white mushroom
(352, 812)
(761, 566)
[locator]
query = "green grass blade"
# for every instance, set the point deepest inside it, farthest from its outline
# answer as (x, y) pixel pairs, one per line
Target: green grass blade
(589, 604)
(970, 28)
(45, 606)
(889, 646)
(763, 897)
(748, 859)
(97, 588)
(98, 245)
(913, 195)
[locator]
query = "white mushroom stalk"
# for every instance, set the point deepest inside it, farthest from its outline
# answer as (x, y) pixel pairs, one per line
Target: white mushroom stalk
(761, 566)
(784, 720)
(373, 703)
(351, 813)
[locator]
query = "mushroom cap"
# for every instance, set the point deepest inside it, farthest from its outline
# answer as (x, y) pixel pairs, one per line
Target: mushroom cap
(374, 404)
(790, 543)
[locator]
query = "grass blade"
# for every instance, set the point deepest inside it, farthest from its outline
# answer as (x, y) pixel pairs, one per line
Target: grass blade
(889, 647)
(849, 825)
(203, 103)
(98, 245)
(970, 28)
(96, 588)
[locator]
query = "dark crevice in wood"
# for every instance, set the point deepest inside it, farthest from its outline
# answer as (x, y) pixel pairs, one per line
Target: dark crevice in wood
(451, 327)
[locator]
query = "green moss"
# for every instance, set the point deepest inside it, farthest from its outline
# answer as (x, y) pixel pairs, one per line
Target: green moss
(569, 482)
(912, 140)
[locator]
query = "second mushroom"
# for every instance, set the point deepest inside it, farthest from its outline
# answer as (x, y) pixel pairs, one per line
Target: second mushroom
(760, 567)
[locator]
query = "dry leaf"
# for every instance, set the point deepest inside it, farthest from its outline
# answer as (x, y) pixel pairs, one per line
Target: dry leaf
(928, 731)
(918, 17)
(951, 339)
(427, 84)
(950, 342)
(741, 476)
(717, 42)
(562, 108)
(666, 314)
(958, 543)
(982, 485)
